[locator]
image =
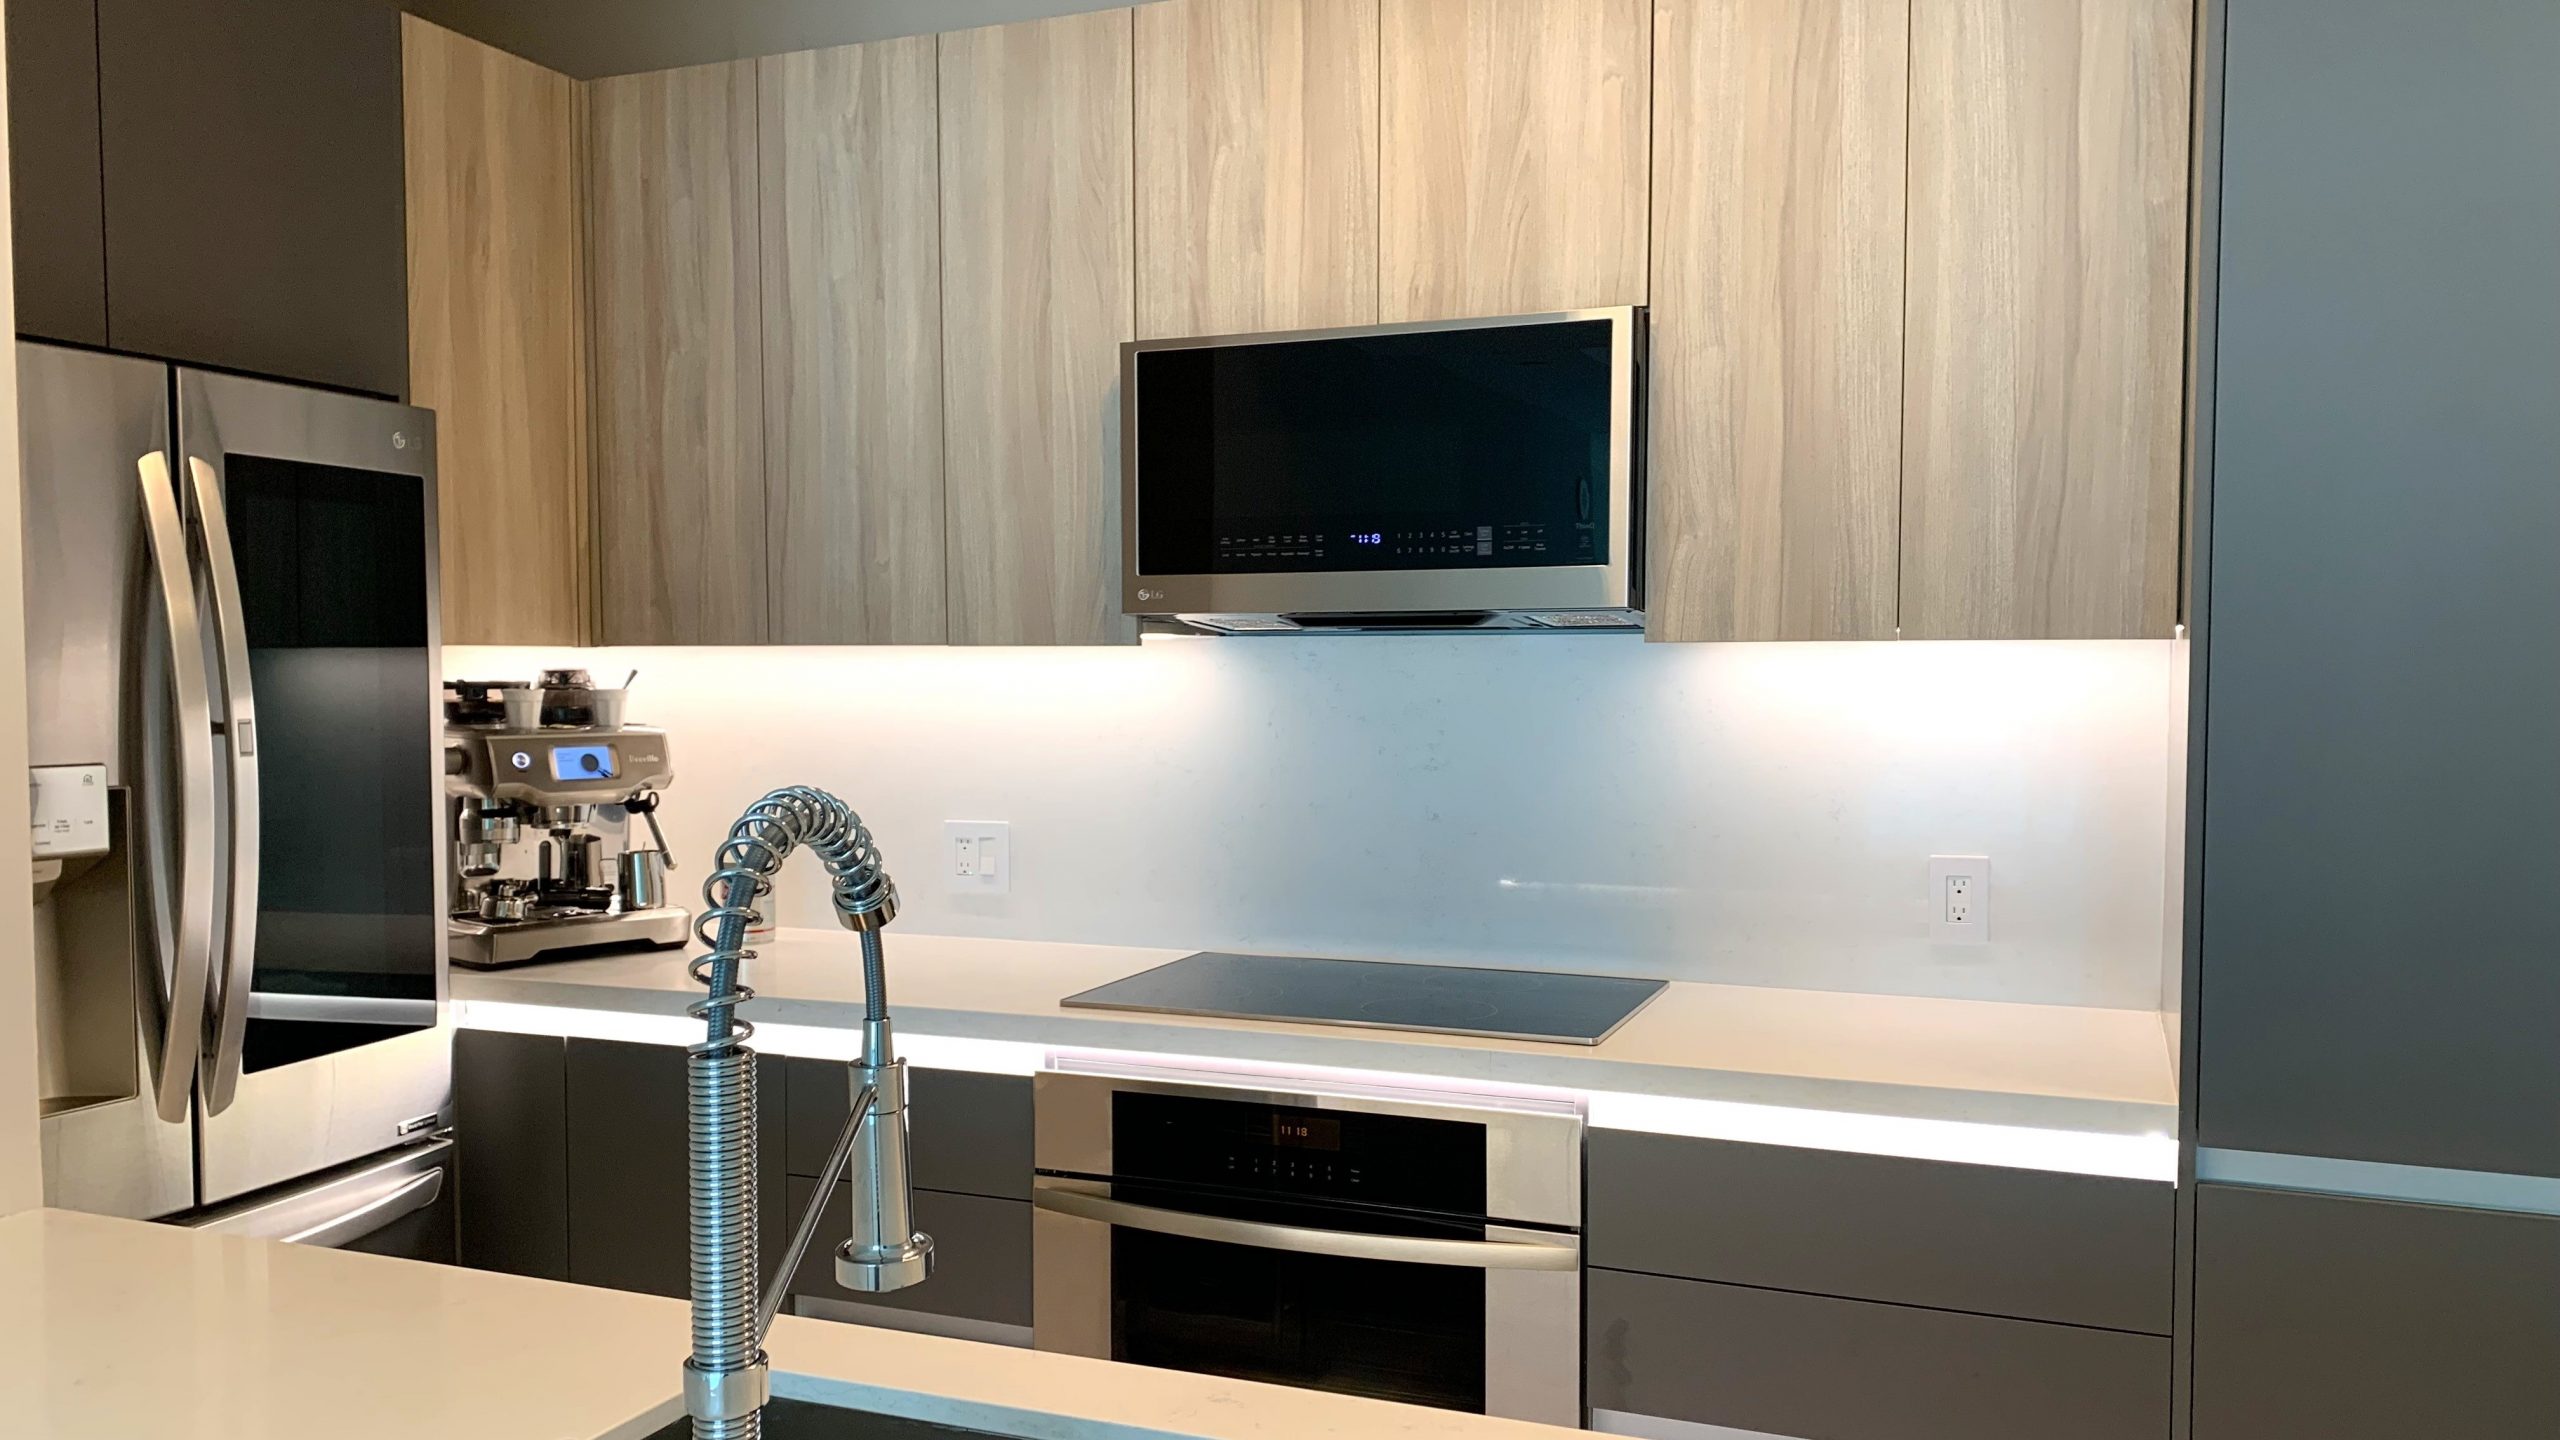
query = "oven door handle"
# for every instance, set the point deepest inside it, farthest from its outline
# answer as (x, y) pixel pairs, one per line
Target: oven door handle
(1560, 1253)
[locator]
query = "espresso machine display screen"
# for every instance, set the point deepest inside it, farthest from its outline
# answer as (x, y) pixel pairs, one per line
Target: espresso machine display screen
(583, 762)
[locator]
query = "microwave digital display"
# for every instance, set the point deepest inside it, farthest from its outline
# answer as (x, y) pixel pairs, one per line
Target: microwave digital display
(1468, 448)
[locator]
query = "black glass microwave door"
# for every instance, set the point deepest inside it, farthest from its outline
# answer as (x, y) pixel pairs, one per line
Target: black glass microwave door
(1462, 449)
(333, 580)
(1383, 1329)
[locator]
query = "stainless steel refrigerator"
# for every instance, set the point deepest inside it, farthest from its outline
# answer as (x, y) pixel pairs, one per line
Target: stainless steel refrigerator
(233, 722)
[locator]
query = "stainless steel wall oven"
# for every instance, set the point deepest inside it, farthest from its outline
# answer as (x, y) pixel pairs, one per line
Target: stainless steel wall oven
(1407, 1245)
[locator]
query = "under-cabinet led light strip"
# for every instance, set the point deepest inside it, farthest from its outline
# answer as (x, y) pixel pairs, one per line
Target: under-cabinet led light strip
(2075, 1152)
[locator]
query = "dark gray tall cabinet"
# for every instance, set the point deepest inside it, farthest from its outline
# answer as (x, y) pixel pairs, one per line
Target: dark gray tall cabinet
(2378, 1003)
(217, 184)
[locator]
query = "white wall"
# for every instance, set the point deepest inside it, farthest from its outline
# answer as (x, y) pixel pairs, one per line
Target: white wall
(1760, 814)
(21, 1179)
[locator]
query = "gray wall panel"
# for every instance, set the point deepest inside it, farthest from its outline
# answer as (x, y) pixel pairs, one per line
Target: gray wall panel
(2078, 1249)
(1768, 1361)
(2382, 795)
(2321, 1318)
(589, 38)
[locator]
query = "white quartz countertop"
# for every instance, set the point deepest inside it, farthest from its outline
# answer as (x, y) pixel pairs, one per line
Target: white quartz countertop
(116, 1329)
(1882, 1073)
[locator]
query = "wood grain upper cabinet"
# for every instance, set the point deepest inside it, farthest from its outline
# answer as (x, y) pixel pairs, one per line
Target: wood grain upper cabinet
(678, 358)
(1776, 380)
(497, 332)
(253, 187)
(1038, 272)
(853, 345)
(1257, 158)
(1512, 156)
(2047, 272)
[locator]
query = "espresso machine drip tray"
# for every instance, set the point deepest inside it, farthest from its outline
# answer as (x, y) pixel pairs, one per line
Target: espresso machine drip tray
(553, 934)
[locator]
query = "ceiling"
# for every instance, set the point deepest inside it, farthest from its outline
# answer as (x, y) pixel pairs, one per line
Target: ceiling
(591, 38)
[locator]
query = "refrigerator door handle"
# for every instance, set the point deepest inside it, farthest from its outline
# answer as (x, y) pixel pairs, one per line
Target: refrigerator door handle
(240, 733)
(181, 905)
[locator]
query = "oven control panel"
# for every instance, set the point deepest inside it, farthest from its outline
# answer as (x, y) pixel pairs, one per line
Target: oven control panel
(1290, 1152)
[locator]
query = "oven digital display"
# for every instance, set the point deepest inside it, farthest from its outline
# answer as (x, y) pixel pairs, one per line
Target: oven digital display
(1290, 1131)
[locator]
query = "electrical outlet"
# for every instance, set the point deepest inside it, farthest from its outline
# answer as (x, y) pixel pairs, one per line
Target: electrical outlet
(1960, 899)
(977, 857)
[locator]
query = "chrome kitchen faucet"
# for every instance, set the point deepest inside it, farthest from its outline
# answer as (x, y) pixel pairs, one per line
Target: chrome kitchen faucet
(725, 1384)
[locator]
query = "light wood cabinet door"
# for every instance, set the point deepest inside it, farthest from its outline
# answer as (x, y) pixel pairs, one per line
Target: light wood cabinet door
(853, 344)
(2048, 199)
(1257, 156)
(1038, 274)
(1512, 156)
(1775, 409)
(497, 334)
(678, 357)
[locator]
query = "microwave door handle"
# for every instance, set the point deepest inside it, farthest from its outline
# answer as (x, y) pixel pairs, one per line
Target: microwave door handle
(181, 917)
(1559, 1254)
(240, 732)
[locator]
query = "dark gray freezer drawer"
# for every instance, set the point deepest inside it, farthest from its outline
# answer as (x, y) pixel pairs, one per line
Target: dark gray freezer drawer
(971, 1133)
(2075, 1249)
(981, 1256)
(1775, 1363)
(2320, 1317)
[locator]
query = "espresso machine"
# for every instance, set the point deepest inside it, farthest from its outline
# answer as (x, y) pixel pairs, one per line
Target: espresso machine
(545, 788)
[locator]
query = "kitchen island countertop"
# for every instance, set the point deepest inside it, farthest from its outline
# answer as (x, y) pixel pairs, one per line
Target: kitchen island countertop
(117, 1329)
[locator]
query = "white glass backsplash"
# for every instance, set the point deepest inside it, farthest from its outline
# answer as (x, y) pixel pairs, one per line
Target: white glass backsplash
(1757, 814)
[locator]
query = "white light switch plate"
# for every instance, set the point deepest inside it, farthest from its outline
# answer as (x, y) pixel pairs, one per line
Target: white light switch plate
(977, 857)
(1960, 899)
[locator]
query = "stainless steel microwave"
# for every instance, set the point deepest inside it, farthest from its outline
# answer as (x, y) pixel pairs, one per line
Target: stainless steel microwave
(1456, 475)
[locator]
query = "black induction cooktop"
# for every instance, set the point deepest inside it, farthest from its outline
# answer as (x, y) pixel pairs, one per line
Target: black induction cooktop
(1445, 999)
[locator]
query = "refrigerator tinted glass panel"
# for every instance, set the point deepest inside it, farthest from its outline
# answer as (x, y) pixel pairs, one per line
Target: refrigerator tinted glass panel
(334, 585)
(1471, 448)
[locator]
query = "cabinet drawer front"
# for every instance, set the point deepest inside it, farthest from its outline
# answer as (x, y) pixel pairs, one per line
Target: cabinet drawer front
(2074, 1249)
(971, 1133)
(981, 1256)
(1774, 1363)
(2346, 1319)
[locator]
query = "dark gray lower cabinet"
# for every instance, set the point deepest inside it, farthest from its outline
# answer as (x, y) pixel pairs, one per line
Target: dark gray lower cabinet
(2325, 1318)
(970, 1134)
(970, 1139)
(626, 1169)
(1783, 1364)
(2028, 1244)
(982, 1257)
(510, 1110)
